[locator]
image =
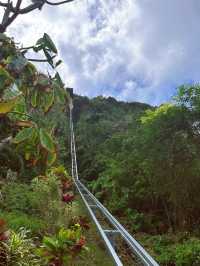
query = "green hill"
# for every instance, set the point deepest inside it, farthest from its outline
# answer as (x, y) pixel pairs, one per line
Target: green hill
(143, 163)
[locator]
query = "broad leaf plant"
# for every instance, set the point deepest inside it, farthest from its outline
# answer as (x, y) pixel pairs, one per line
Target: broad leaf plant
(26, 98)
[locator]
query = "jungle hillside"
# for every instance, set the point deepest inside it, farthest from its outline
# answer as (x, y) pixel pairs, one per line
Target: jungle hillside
(143, 163)
(141, 160)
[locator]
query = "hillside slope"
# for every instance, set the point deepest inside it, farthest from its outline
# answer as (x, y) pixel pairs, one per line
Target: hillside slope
(143, 163)
(97, 121)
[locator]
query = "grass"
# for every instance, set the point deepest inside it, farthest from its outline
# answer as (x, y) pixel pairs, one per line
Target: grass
(97, 255)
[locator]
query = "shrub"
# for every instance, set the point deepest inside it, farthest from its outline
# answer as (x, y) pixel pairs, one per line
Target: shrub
(135, 219)
(50, 207)
(18, 197)
(188, 253)
(16, 220)
(60, 249)
(28, 205)
(168, 250)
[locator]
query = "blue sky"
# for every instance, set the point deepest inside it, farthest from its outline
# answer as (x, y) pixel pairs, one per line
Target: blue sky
(134, 50)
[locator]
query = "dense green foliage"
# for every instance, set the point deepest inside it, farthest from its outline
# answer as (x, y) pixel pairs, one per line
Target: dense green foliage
(34, 195)
(98, 120)
(179, 249)
(143, 162)
(37, 200)
(40, 222)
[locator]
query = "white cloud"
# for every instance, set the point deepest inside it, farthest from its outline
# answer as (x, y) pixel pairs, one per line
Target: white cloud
(131, 49)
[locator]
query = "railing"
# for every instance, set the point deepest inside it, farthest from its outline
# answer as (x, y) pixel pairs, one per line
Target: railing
(94, 206)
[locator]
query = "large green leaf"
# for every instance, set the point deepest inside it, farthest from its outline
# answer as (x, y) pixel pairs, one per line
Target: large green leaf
(34, 97)
(46, 141)
(49, 43)
(39, 45)
(16, 63)
(49, 57)
(58, 63)
(58, 80)
(51, 157)
(48, 99)
(50, 243)
(60, 96)
(24, 134)
(5, 79)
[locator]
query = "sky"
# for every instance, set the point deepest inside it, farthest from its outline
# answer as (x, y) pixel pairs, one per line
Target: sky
(133, 50)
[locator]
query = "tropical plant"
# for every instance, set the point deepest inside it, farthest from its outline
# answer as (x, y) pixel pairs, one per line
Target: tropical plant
(59, 250)
(19, 250)
(26, 97)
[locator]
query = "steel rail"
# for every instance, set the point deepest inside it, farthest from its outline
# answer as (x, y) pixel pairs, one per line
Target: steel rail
(92, 214)
(101, 231)
(86, 195)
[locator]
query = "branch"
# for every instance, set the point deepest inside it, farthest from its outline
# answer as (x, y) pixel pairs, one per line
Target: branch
(31, 7)
(13, 17)
(18, 4)
(26, 48)
(58, 3)
(16, 10)
(4, 4)
(8, 20)
(6, 13)
(39, 60)
(24, 10)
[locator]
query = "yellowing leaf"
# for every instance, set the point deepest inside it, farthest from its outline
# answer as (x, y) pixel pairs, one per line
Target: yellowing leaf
(46, 141)
(27, 155)
(7, 106)
(24, 123)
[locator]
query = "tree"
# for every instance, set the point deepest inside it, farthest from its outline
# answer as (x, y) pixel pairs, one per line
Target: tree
(27, 100)
(170, 153)
(11, 11)
(148, 162)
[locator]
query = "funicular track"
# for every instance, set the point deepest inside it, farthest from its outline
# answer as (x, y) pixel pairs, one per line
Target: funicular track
(111, 231)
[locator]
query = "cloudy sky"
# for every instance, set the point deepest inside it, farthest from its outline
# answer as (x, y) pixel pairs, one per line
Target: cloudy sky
(134, 50)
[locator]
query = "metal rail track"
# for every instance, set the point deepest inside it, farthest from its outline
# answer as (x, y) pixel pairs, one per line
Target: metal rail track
(92, 204)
